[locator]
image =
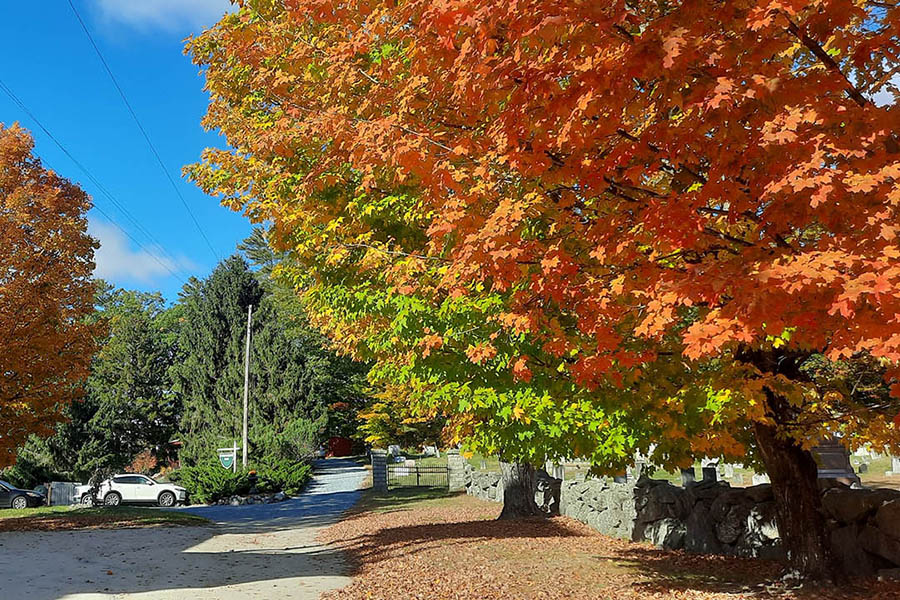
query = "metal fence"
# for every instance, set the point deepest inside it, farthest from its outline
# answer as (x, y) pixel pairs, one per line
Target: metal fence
(400, 476)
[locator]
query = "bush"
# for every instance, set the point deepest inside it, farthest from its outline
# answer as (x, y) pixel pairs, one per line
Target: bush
(294, 442)
(208, 482)
(283, 475)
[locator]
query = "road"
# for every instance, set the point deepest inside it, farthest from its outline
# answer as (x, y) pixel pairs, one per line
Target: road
(256, 551)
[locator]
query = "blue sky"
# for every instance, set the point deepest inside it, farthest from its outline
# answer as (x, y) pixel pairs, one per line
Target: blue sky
(50, 65)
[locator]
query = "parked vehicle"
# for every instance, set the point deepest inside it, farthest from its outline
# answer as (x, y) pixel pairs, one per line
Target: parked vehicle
(13, 497)
(132, 488)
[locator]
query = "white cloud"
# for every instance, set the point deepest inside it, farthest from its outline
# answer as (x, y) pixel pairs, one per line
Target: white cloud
(118, 262)
(172, 15)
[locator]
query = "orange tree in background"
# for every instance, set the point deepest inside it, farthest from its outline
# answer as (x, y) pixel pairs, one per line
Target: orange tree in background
(578, 226)
(46, 291)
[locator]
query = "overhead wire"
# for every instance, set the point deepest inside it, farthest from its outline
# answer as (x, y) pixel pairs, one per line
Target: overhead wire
(143, 131)
(24, 108)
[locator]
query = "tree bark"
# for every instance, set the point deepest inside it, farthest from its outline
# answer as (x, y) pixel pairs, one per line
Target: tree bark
(798, 505)
(518, 491)
(794, 474)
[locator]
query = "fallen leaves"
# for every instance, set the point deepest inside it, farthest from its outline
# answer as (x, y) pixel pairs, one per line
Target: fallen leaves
(454, 548)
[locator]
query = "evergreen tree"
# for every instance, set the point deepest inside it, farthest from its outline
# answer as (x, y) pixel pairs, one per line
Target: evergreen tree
(129, 404)
(210, 374)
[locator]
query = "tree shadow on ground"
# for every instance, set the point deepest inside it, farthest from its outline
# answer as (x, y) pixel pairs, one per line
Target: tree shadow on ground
(559, 548)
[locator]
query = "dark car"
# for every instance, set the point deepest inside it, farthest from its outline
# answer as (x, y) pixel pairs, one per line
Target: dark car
(13, 497)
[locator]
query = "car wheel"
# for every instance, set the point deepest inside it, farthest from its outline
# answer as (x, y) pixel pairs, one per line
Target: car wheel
(20, 502)
(112, 499)
(167, 499)
(87, 500)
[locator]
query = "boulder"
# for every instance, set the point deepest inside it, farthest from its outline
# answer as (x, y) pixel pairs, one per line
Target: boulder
(877, 542)
(888, 518)
(729, 529)
(759, 493)
(847, 505)
(723, 503)
(707, 490)
(847, 549)
(699, 536)
(665, 533)
(279, 497)
(662, 502)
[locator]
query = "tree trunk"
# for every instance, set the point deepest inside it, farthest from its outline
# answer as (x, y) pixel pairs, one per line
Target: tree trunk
(518, 491)
(798, 505)
(793, 472)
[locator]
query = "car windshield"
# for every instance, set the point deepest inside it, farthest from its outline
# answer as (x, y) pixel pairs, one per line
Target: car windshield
(8, 486)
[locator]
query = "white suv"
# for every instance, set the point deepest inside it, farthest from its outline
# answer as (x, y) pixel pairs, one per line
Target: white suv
(134, 489)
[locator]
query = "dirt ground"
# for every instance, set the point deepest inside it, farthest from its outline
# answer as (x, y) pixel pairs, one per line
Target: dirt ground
(263, 551)
(452, 548)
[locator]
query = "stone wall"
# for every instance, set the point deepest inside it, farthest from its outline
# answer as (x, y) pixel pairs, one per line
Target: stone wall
(714, 518)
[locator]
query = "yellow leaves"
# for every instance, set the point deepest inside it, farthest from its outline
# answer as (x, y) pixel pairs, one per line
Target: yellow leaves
(519, 414)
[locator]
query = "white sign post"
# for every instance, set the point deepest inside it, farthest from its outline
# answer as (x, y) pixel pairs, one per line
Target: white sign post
(228, 457)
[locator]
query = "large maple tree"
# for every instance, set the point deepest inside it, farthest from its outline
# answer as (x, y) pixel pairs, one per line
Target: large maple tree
(580, 227)
(46, 292)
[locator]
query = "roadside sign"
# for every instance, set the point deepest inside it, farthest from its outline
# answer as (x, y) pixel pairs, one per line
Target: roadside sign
(228, 457)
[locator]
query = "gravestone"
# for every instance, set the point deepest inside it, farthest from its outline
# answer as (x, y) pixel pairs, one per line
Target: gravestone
(688, 476)
(394, 450)
(710, 473)
(834, 461)
(895, 466)
(729, 471)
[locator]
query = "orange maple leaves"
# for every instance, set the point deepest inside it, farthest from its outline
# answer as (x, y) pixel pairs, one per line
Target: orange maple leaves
(613, 168)
(46, 291)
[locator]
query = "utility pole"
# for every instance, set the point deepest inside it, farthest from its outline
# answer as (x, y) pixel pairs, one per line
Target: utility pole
(246, 386)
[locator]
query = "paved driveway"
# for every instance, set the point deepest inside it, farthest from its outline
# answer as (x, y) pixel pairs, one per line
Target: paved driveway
(257, 551)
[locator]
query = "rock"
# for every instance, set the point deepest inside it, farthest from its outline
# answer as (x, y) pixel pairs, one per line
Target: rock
(708, 490)
(699, 536)
(760, 493)
(724, 502)
(665, 533)
(846, 548)
(849, 506)
(875, 541)
(279, 497)
(235, 501)
(662, 502)
(729, 529)
(888, 519)
(762, 520)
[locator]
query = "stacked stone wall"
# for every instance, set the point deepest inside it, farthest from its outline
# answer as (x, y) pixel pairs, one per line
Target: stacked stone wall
(711, 517)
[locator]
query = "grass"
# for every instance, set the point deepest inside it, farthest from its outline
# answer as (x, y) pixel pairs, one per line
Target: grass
(383, 502)
(491, 463)
(56, 518)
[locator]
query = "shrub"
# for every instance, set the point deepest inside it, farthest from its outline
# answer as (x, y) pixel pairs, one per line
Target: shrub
(295, 441)
(208, 481)
(283, 475)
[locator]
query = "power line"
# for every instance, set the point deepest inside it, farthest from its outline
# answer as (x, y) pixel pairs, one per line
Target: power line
(12, 96)
(141, 128)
